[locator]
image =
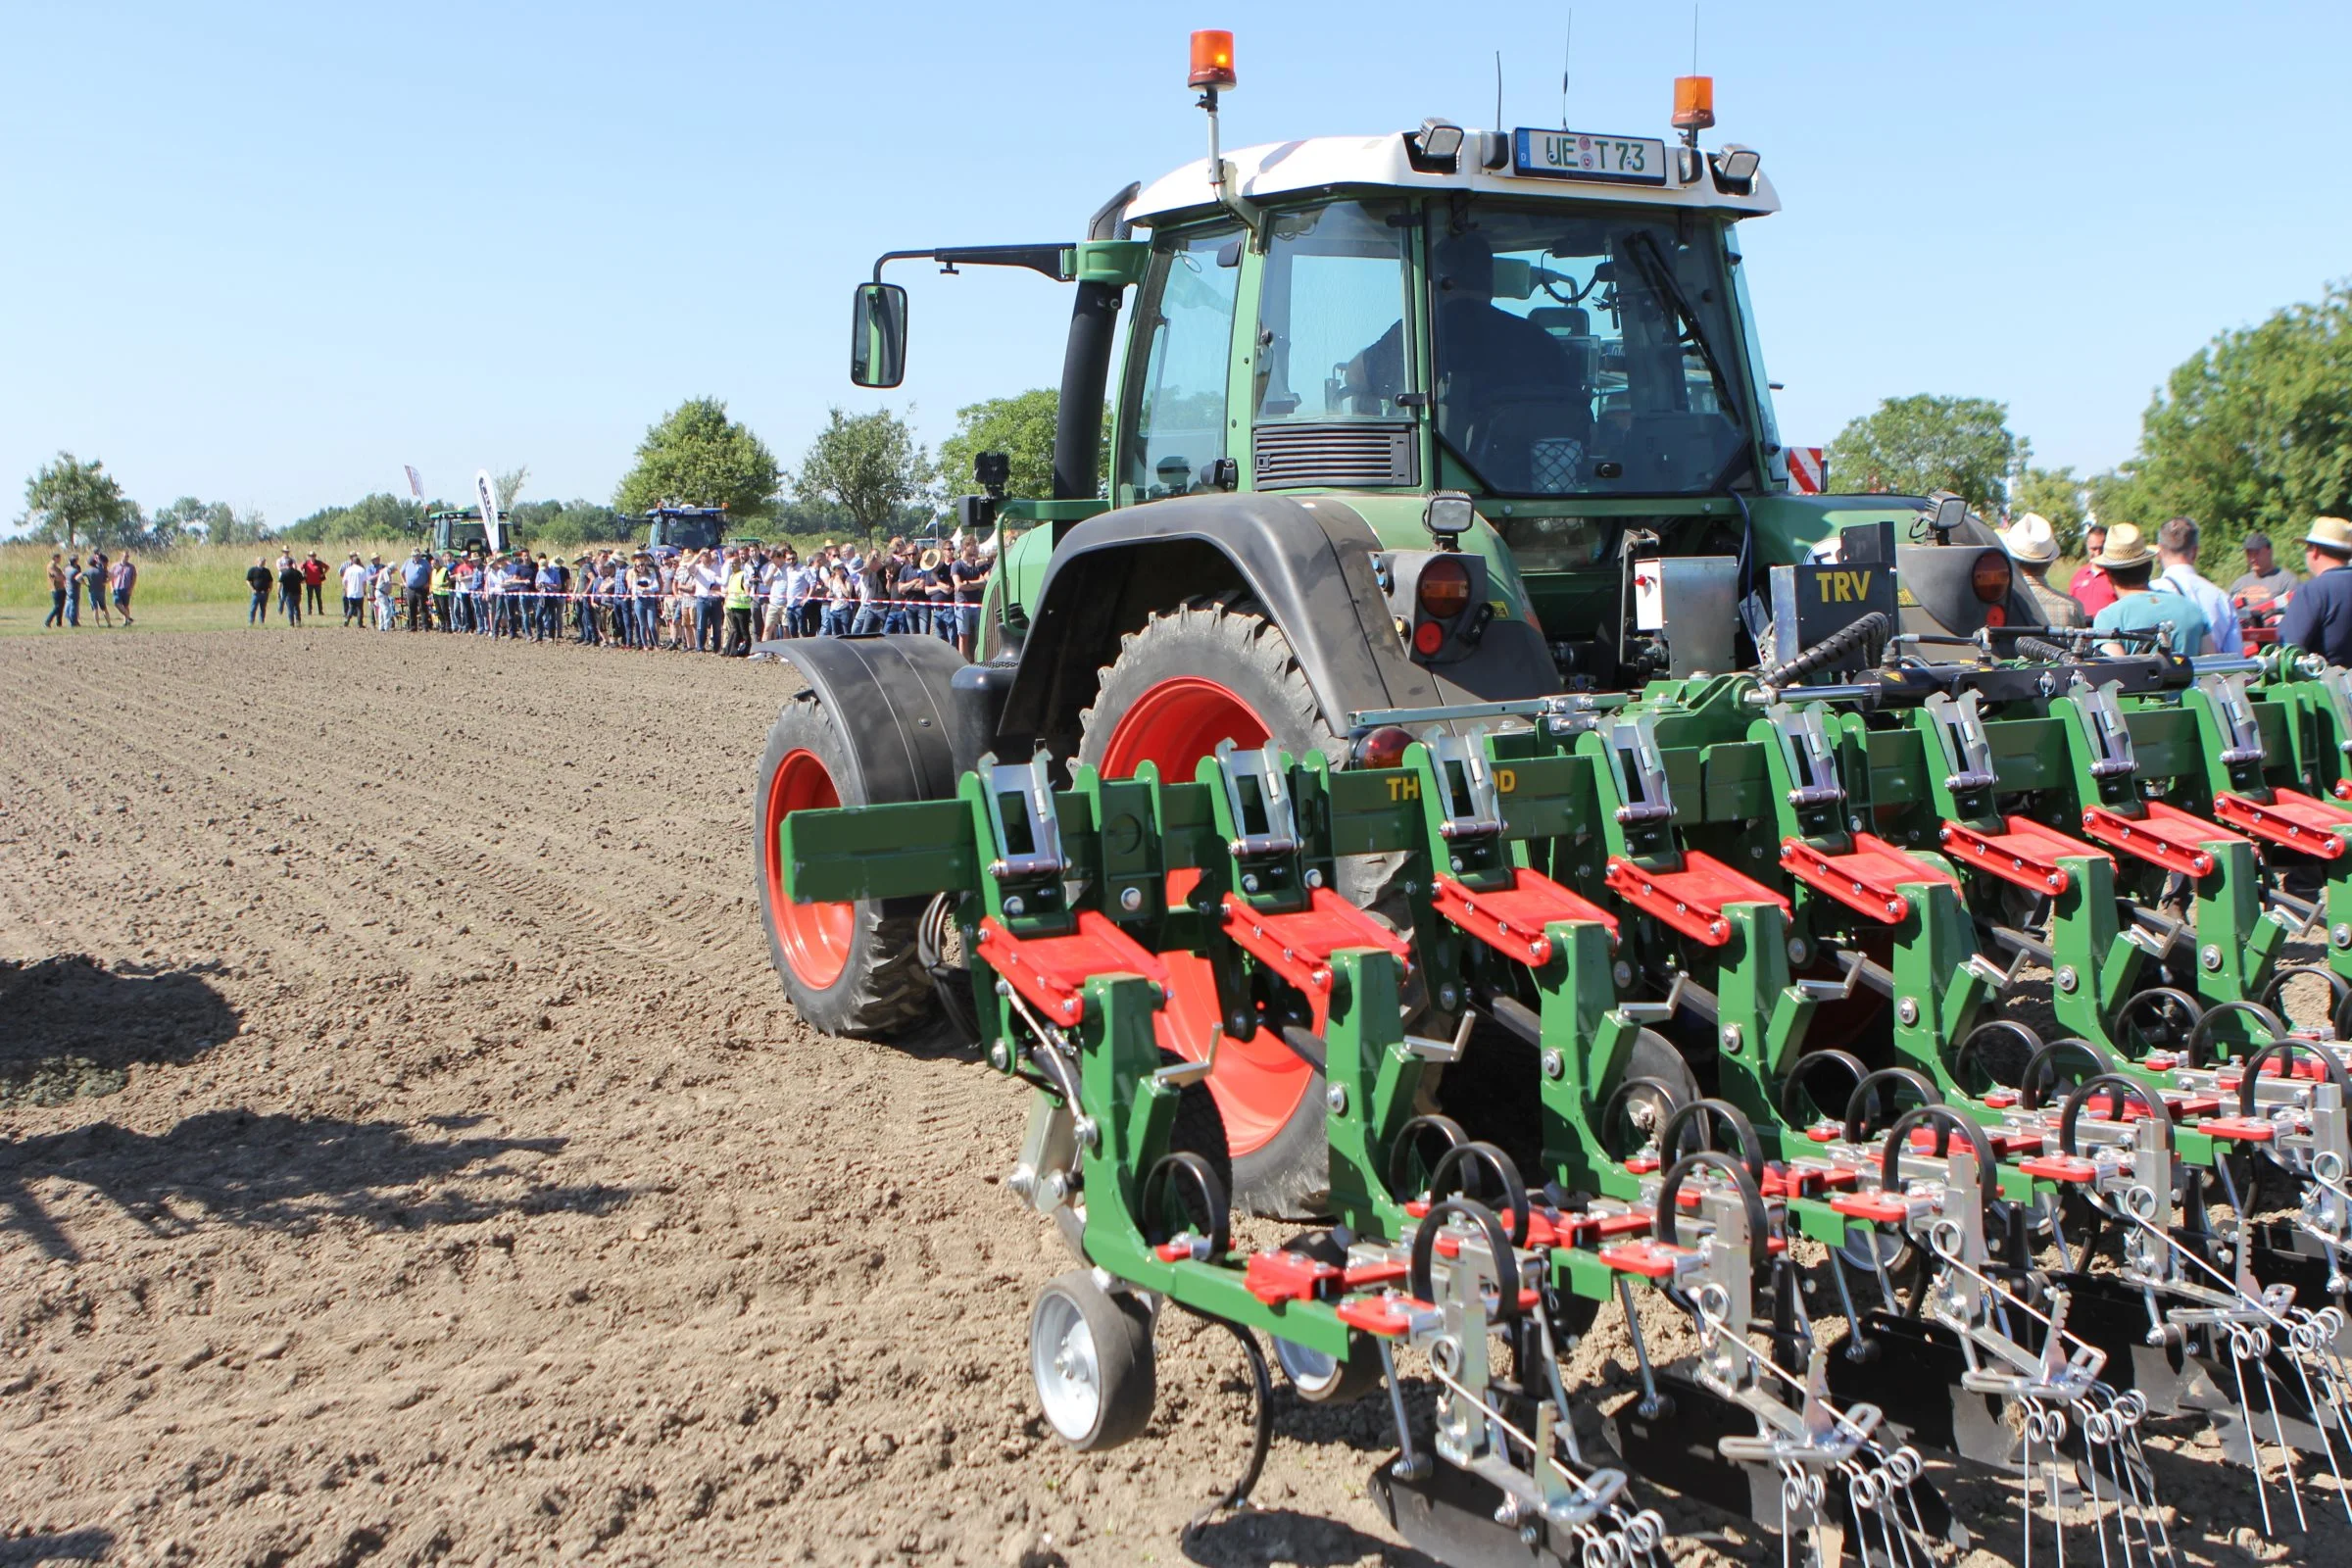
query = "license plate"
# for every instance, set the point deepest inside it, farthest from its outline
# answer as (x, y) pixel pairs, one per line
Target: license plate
(1581, 155)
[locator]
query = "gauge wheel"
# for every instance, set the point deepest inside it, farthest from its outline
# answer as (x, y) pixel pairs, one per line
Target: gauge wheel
(1090, 1357)
(849, 969)
(1321, 1379)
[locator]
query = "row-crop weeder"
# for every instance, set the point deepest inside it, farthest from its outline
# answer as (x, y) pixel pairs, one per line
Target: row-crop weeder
(2036, 1247)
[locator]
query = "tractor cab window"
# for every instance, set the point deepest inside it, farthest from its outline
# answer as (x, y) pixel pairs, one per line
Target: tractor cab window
(1179, 353)
(1585, 354)
(1332, 334)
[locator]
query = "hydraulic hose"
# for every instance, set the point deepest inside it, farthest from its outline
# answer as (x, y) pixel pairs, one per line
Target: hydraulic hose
(1836, 645)
(2048, 653)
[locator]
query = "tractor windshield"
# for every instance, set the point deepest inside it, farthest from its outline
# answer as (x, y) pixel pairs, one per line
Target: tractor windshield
(1585, 354)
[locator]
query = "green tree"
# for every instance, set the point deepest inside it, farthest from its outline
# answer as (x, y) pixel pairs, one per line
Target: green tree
(698, 457)
(70, 502)
(567, 524)
(870, 465)
(1022, 429)
(1914, 445)
(2252, 431)
(380, 516)
(505, 487)
(2058, 495)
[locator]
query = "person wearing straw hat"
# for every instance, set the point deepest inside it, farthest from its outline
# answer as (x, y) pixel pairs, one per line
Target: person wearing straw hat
(2129, 563)
(2319, 618)
(2033, 545)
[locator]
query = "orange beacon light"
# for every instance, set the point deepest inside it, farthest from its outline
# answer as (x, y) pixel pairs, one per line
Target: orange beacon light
(1212, 59)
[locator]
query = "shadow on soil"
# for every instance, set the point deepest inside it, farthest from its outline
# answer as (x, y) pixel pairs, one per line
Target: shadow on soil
(287, 1173)
(71, 1026)
(1282, 1535)
(72, 1545)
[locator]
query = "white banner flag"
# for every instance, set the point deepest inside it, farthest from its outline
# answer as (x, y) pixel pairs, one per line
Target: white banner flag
(492, 529)
(415, 485)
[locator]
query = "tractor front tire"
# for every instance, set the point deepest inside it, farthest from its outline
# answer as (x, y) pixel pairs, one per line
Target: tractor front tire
(1211, 670)
(849, 969)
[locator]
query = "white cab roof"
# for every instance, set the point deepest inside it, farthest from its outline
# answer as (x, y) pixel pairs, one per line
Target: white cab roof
(1320, 163)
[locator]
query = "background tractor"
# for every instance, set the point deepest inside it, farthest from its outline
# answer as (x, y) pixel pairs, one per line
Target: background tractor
(1414, 424)
(676, 528)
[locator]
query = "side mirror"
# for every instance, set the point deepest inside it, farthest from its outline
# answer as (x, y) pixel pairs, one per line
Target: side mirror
(878, 336)
(1951, 513)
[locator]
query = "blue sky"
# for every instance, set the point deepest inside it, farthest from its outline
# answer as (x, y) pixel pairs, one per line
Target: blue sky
(269, 253)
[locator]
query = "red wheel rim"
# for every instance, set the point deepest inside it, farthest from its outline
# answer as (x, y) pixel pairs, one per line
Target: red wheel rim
(816, 937)
(1175, 724)
(1258, 1082)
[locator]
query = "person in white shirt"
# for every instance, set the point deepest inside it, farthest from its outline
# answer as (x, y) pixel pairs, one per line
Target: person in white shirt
(355, 592)
(2177, 546)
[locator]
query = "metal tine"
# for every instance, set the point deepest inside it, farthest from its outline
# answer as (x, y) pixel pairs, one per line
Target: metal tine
(2237, 1369)
(2258, 1341)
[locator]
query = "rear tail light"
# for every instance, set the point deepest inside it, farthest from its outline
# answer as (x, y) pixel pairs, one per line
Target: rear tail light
(1383, 746)
(1990, 577)
(1444, 592)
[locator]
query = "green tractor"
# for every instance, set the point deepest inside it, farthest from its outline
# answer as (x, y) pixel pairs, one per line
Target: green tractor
(675, 527)
(1407, 424)
(461, 531)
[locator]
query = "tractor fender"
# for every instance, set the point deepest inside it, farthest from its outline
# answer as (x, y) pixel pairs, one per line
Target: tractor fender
(893, 696)
(1308, 560)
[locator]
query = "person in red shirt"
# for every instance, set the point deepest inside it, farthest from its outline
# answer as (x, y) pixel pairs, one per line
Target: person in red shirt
(314, 573)
(2090, 588)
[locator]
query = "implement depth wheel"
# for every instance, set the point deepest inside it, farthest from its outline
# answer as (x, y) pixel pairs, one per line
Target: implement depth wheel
(849, 969)
(1209, 671)
(1090, 1355)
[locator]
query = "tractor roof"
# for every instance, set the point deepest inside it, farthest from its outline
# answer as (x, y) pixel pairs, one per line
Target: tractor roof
(1323, 162)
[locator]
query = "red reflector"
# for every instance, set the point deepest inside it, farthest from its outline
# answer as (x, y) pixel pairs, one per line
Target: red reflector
(1443, 589)
(1384, 747)
(1996, 615)
(1428, 638)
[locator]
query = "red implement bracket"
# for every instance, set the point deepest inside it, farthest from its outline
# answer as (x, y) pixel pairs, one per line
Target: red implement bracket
(2239, 1129)
(1864, 879)
(1512, 920)
(1691, 900)
(2025, 854)
(2059, 1168)
(1653, 1261)
(1275, 1277)
(1298, 945)
(1876, 1207)
(1381, 1314)
(2294, 822)
(1053, 971)
(2166, 836)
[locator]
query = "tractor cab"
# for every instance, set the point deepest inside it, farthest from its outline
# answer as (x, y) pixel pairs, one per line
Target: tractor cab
(1549, 327)
(462, 532)
(670, 528)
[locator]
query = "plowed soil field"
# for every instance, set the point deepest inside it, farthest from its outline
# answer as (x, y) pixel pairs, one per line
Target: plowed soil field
(408, 1156)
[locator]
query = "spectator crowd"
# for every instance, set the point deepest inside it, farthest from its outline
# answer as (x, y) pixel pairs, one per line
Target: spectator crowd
(2147, 590)
(71, 579)
(718, 601)
(723, 601)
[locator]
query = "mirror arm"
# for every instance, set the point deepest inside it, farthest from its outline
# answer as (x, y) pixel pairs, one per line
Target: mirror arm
(1052, 260)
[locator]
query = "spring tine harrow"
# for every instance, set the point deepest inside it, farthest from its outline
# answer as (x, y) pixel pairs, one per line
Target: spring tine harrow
(1819, 911)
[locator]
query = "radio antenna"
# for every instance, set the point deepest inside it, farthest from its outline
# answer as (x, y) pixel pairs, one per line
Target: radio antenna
(1567, 60)
(1694, 38)
(1498, 90)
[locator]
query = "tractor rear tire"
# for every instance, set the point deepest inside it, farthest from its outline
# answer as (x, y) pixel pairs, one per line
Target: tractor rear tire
(849, 968)
(1210, 670)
